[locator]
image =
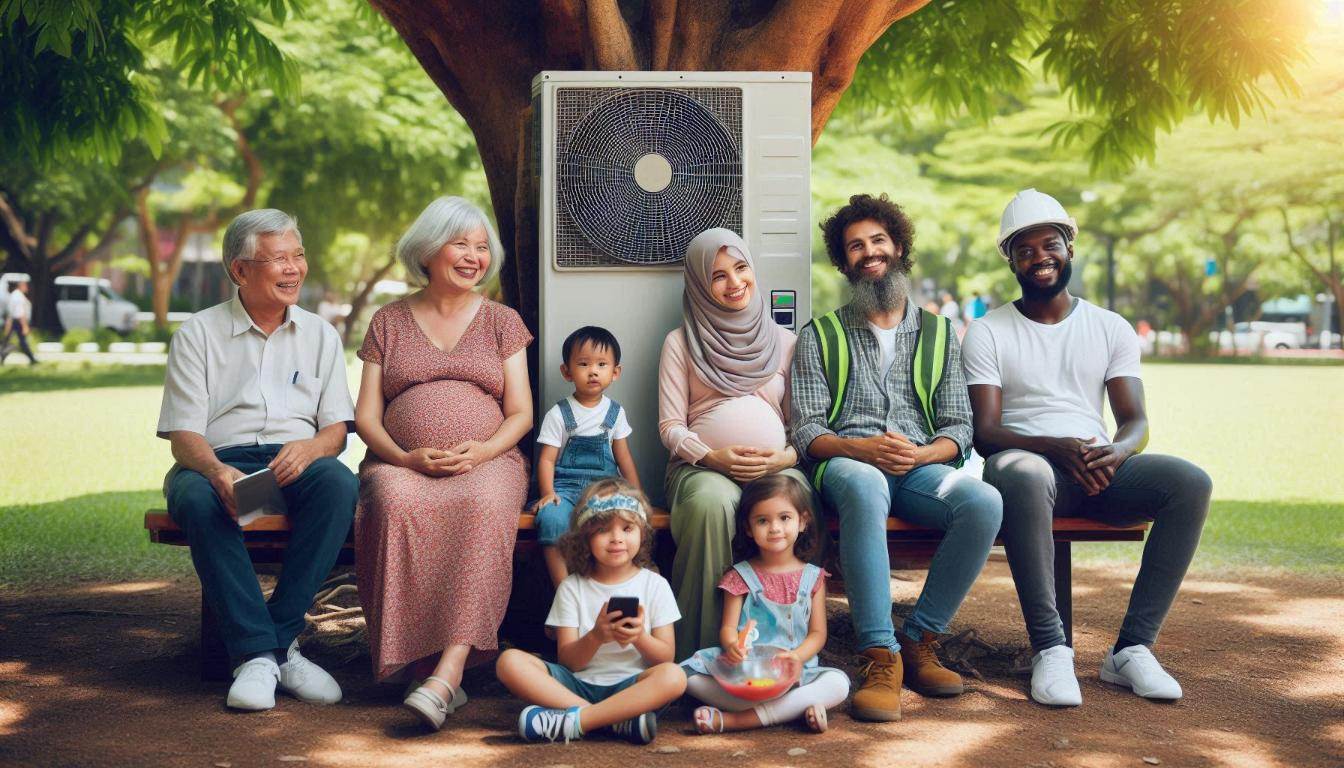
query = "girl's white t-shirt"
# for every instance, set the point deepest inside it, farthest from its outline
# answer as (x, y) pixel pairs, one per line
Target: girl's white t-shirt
(1053, 377)
(589, 421)
(578, 600)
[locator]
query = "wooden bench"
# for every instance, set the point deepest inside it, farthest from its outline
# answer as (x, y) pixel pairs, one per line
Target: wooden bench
(266, 538)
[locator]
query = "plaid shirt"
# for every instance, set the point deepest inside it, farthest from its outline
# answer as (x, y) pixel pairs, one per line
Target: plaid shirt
(873, 403)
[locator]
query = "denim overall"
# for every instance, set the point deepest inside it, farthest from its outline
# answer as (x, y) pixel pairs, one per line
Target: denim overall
(783, 625)
(584, 458)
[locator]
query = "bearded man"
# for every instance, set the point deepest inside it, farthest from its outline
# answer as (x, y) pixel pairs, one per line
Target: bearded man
(880, 414)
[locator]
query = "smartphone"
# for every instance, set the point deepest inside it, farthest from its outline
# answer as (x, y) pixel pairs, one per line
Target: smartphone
(628, 607)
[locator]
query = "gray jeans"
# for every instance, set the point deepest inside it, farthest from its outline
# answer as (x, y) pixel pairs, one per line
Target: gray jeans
(1171, 492)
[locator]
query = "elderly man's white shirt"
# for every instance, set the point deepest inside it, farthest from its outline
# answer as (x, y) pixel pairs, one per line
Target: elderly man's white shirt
(237, 386)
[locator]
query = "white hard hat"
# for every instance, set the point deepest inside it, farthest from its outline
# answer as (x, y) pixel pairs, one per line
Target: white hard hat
(1028, 209)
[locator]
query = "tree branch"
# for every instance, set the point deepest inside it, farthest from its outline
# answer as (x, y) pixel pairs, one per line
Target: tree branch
(22, 243)
(612, 46)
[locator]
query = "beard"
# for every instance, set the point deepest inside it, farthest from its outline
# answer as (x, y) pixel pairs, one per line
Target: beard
(1033, 292)
(880, 295)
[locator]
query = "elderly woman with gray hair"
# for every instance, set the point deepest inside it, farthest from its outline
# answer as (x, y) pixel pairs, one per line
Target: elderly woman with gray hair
(722, 396)
(443, 401)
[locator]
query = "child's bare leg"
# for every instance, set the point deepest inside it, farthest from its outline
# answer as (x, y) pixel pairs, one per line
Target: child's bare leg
(656, 686)
(555, 565)
(527, 677)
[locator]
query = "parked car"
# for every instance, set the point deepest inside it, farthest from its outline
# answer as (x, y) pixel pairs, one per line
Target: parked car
(1259, 335)
(80, 299)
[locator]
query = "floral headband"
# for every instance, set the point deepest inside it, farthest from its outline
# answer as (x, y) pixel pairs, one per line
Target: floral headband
(609, 503)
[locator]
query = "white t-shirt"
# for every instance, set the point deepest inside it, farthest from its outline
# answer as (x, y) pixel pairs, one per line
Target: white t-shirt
(577, 602)
(19, 306)
(1053, 377)
(590, 420)
(886, 342)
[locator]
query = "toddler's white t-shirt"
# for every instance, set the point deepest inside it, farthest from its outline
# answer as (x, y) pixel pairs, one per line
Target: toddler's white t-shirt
(590, 420)
(578, 600)
(1053, 377)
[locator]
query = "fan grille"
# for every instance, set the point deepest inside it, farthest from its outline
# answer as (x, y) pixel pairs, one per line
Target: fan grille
(606, 215)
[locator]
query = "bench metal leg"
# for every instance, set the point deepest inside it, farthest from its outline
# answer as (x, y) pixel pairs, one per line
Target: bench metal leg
(214, 658)
(1064, 587)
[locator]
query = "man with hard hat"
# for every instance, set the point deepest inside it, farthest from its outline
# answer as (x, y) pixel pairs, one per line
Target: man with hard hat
(879, 412)
(1037, 369)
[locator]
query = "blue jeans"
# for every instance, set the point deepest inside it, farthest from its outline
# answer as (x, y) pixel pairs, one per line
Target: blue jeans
(321, 506)
(934, 495)
(553, 519)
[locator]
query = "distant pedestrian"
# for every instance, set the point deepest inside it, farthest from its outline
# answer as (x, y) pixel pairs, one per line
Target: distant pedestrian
(20, 313)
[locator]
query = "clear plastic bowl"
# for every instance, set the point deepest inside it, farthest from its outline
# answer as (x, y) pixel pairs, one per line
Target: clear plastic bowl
(761, 676)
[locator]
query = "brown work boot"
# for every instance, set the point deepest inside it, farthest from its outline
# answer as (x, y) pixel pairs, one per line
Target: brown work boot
(924, 673)
(879, 698)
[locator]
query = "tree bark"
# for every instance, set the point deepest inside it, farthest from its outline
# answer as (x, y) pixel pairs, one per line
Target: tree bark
(483, 57)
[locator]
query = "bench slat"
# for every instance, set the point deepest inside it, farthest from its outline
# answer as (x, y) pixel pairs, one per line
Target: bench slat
(158, 523)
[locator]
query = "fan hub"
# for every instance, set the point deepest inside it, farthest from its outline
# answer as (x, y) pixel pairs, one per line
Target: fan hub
(653, 172)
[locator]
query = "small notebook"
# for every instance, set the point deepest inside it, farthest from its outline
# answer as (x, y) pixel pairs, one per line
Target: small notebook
(258, 494)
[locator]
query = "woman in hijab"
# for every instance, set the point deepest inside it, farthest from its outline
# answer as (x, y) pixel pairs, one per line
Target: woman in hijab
(722, 405)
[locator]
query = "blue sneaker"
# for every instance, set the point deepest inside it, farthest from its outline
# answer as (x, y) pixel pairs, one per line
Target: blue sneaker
(637, 730)
(537, 723)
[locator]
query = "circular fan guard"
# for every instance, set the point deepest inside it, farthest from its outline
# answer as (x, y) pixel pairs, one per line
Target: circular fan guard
(645, 217)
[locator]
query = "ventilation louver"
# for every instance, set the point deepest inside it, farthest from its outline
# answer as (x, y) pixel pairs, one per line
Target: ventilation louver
(642, 171)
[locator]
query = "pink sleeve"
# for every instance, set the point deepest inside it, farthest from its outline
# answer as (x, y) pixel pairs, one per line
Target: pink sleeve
(821, 580)
(674, 397)
(510, 332)
(375, 338)
(733, 583)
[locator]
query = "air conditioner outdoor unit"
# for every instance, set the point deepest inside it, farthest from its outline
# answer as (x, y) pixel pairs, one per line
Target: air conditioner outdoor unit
(631, 167)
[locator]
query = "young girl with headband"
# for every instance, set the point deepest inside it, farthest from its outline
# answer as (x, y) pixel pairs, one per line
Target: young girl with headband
(615, 668)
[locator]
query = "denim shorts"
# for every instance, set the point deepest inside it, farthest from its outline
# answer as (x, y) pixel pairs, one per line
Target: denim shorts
(587, 691)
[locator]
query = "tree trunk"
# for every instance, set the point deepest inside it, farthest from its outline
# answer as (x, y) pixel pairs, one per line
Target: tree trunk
(483, 57)
(361, 299)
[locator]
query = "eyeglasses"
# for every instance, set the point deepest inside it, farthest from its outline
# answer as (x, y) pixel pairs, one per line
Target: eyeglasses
(299, 259)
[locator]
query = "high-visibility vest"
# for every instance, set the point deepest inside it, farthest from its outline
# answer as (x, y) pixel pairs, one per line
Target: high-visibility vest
(927, 367)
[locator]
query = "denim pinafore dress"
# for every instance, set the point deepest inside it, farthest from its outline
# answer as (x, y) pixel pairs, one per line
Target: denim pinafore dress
(779, 624)
(584, 458)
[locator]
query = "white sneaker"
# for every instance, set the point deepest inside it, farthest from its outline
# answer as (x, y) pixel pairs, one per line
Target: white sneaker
(306, 681)
(1052, 680)
(254, 685)
(1136, 668)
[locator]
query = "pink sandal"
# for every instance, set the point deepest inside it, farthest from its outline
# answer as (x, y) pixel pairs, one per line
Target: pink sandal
(704, 720)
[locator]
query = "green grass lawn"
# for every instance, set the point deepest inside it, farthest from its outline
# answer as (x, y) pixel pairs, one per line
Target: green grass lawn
(80, 463)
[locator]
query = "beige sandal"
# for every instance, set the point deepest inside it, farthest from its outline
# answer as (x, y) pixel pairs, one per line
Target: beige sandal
(430, 707)
(704, 720)
(815, 718)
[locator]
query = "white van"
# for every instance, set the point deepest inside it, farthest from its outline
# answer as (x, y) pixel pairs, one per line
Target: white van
(77, 298)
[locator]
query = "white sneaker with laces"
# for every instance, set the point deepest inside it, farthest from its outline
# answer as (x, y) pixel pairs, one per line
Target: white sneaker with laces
(306, 681)
(254, 685)
(1137, 669)
(1052, 679)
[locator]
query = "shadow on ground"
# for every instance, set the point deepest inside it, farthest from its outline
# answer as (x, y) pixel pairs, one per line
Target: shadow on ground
(106, 674)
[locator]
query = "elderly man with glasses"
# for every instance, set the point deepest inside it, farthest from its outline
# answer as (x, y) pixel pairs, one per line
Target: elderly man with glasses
(254, 383)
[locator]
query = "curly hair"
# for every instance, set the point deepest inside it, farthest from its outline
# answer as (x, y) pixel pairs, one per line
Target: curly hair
(769, 487)
(862, 208)
(574, 546)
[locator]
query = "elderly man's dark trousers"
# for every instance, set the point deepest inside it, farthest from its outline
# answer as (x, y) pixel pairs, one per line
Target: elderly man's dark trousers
(321, 507)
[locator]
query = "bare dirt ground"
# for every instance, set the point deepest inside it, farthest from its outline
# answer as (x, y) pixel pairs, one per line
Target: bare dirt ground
(106, 674)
